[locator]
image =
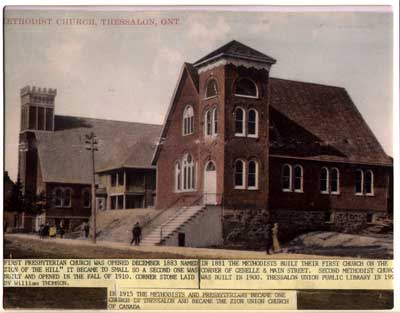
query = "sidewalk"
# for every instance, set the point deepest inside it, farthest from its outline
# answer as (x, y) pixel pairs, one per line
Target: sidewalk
(183, 251)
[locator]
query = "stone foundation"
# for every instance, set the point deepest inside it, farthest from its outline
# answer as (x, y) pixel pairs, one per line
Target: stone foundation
(246, 228)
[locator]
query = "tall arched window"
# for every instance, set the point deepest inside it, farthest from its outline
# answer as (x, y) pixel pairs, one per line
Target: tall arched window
(58, 197)
(215, 121)
(334, 181)
(188, 173)
(208, 123)
(188, 120)
(239, 174)
(86, 198)
(369, 183)
(298, 178)
(359, 182)
(252, 124)
(286, 177)
(212, 88)
(211, 122)
(239, 122)
(252, 176)
(67, 197)
(246, 88)
(178, 176)
(324, 180)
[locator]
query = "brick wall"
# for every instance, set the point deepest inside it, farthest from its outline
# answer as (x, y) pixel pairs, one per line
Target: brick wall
(175, 146)
(76, 209)
(312, 199)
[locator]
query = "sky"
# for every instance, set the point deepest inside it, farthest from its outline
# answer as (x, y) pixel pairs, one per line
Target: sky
(129, 72)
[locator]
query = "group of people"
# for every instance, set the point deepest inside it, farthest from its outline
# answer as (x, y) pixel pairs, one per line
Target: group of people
(45, 230)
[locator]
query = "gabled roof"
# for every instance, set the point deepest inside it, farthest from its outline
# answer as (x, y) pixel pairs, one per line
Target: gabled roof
(320, 122)
(64, 158)
(191, 72)
(237, 50)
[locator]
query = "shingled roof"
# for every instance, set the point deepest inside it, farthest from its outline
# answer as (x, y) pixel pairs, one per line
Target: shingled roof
(64, 158)
(237, 50)
(314, 121)
(320, 122)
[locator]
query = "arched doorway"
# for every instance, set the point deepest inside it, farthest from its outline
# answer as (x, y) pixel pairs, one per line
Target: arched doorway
(210, 183)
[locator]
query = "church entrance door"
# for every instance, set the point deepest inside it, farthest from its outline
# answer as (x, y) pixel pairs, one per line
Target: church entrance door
(210, 183)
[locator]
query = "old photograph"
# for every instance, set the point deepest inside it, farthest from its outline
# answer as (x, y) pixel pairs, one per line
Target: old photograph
(162, 133)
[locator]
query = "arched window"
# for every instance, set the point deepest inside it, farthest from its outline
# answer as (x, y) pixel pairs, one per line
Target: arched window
(334, 177)
(211, 122)
(369, 183)
(239, 174)
(239, 122)
(252, 124)
(86, 198)
(58, 197)
(178, 176)
(210, 167)
(188, 173)
(252, 176)
(67, 197)
(359, 182)
(324, 180)
(246, 88)
(298, 178)
(208, 123)
(188, 120)
(286, 177)
(215, 121)
(212, 88)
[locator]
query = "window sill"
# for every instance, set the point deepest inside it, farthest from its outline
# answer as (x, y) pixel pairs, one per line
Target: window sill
(298, 191)
(240, 135)
(240, 188)
(370, 194)
(335, 193)
(185, 191)
(324, 193)
(252, 188)
(359, 194)
(252, 136)
(212, 97)
(184, 135)
(330, 222)
(244, 96)
(286, 190)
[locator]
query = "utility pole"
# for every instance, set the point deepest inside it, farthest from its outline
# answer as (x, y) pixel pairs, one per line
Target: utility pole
(91, 142)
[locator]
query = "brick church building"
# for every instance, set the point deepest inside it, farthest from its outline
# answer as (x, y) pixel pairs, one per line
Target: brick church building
(268, 150)
(238, 149)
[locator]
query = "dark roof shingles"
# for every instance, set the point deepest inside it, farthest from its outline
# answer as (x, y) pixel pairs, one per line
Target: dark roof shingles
(329, 114)
(237, 49)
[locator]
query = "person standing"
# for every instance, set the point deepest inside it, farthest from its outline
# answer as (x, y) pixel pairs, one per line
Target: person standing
(275, 239)
(136, 234)
(268, 238)
(86, 229)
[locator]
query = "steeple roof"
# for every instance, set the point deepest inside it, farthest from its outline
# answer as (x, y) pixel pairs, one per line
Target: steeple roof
(237, 50)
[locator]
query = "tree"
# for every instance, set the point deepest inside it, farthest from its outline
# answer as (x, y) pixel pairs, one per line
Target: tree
(16, 201)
